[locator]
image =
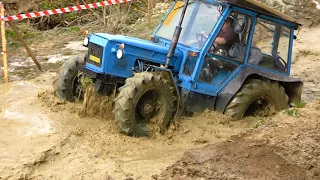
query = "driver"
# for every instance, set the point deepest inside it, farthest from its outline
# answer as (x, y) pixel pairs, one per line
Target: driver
(225, 40)
(226, 37)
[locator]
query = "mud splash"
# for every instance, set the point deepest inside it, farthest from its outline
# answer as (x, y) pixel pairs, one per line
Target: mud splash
(95, 104)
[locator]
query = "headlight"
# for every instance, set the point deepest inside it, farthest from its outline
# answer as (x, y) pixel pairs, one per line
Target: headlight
(86, 41)
(120, 54)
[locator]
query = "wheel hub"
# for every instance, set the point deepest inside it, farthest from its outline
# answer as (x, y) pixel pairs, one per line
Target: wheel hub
(147, 109)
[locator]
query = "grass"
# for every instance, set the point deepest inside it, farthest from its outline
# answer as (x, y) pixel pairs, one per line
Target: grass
(292, 112)
(29, 35)
(300, 105)
(86, 82)
(72, 29)
(260, 123)
(11, 34)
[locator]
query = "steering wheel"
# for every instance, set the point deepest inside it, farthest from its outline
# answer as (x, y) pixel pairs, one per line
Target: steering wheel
(201, 39)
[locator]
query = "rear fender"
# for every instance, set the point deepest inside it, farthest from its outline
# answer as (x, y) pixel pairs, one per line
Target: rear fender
(292, 86)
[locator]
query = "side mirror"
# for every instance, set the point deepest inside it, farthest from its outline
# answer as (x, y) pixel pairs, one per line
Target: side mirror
(239, 25)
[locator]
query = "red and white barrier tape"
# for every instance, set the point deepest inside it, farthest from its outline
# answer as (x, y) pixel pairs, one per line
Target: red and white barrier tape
(62, 10)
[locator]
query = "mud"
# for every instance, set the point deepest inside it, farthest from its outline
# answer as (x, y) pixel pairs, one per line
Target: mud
(42, 137)
(285, 148)
(50, 57)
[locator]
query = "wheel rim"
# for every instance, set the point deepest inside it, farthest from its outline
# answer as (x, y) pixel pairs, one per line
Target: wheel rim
(150, 110)
(77, 88)
(262, 106)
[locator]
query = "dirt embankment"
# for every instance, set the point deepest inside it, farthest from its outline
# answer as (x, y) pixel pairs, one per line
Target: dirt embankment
(305, 11)
(287, 148)
(20, 6)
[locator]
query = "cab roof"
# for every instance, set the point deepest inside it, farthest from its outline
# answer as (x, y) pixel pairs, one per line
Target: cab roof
(261, 8)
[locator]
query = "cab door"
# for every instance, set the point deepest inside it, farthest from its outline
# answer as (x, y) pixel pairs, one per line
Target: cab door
(218, 66)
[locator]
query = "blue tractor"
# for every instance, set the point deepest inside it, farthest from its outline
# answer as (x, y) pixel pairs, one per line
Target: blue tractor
(230, 56)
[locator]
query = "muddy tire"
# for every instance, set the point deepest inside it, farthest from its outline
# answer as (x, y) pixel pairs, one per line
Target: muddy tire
(257, 97)
(67, 82)
(145, 99)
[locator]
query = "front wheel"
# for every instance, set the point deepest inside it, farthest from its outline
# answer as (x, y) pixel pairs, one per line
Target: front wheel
(67, 86)
(145, 105)
(257, 97)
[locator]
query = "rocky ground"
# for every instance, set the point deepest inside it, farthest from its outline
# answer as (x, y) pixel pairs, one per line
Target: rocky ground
(43, 138)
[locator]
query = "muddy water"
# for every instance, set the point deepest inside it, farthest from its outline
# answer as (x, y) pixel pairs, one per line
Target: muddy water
(42, 137)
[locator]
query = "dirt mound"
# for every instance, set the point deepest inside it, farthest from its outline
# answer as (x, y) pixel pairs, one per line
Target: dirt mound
(305, 11)
(288, 148)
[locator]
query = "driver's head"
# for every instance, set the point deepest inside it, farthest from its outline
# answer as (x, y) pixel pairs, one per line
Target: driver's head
(227, 24)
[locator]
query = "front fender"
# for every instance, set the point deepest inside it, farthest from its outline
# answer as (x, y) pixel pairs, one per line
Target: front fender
(292, 85)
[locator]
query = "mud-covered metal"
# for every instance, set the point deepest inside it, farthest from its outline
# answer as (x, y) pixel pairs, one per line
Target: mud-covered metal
(196, 102)
(292, 85)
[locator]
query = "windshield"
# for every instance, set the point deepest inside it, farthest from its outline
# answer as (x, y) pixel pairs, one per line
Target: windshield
(200, 16)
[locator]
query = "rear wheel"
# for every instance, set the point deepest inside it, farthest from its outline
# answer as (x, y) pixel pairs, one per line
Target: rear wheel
(144, 105)
(67, 86)
(258, 97)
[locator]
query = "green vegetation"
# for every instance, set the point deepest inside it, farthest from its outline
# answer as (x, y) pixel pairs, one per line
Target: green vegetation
(11, 34)
(73, 29)
(86, 82)
(260, 123)
(300, 105)
(117, 16)
(28, 34)
(293, 112)
(127, 19)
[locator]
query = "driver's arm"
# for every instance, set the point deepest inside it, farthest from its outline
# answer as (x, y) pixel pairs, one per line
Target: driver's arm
(220, 41)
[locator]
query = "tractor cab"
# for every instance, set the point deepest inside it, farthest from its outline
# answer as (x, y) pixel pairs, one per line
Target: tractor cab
(221, 39)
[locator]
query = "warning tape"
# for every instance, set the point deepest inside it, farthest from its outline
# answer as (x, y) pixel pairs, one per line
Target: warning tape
(62, 10)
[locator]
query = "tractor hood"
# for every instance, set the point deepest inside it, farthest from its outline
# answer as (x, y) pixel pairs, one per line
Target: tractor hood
(118, 55)
(139, 43)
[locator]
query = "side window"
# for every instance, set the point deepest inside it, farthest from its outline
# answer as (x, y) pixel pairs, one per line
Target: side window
(231, 43)
(233, 37)
(273, 40)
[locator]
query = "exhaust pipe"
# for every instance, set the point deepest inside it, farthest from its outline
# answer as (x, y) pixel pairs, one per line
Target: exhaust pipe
(176, 35)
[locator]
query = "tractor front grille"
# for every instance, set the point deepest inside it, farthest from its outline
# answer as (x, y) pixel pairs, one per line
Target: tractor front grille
(95, 54)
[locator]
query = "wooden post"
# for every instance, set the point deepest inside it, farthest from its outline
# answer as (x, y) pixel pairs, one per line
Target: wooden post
(149, 13)
(4, 46)
(13, 26)
(104, 15)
